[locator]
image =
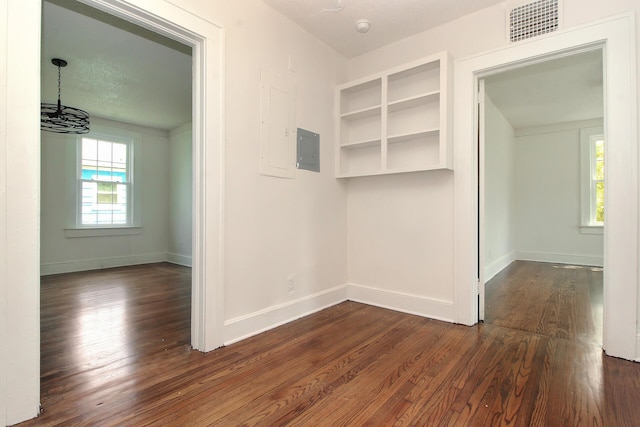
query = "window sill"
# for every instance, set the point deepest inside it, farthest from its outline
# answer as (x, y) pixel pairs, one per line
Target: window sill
(71, 233)
(591, 229)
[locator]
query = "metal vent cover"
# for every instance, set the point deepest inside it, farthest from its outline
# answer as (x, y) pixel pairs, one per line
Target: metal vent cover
(533, 19)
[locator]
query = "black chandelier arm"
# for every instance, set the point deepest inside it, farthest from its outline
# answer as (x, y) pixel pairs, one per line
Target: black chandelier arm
(61, 119)
(58, 118)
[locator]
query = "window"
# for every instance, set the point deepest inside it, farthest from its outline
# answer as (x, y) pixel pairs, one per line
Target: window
(592, 179)
(104, 182)
(104, 196)
(597, 179)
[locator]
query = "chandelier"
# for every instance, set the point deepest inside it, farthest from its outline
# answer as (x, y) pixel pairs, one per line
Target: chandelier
(59, 118)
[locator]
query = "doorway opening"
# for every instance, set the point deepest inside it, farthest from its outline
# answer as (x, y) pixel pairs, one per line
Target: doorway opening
(616, 36)
(541, 197)
(122, 192)
(206, 41)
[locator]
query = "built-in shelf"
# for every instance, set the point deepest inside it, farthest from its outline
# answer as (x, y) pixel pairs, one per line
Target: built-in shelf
(413, 101)
(362, 144)
(391, 139)
(363, 113)
(396, 121)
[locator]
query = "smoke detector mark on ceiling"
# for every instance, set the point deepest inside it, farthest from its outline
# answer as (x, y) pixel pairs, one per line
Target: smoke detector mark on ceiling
(363, 26)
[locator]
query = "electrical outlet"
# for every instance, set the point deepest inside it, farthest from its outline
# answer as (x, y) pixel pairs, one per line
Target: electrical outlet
(291, 284)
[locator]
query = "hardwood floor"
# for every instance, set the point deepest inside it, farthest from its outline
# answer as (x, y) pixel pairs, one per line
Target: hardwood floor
(115, 352)
(556, 300)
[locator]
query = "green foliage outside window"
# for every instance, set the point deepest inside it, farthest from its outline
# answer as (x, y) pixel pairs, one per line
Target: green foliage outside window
(599, 179)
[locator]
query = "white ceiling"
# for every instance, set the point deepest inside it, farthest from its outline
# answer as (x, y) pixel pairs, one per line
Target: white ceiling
(122, 72)
(556, 91)
(116, 70)
(333, 21)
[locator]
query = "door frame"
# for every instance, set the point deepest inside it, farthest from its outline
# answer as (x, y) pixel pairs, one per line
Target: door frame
(206, 40)
(616, 35)
(481, 147)
(20, 183)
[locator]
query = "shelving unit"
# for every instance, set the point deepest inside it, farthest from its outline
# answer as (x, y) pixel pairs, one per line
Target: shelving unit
(396, 121)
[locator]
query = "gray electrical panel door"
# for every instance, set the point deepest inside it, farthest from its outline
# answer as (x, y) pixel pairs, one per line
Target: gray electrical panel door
(308, 154)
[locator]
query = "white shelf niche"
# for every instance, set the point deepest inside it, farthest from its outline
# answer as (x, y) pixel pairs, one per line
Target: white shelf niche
(396, 121)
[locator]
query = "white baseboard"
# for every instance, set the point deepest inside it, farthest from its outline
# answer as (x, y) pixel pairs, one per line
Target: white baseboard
(260, 321)
(184, 260)
(251, 324)
(498, 265)
(97, 264)
(596, 261)
(638, 348)
(406, 303)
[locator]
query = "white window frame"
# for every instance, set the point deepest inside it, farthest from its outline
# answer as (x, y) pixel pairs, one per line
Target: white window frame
(588, 224)
(74, 227)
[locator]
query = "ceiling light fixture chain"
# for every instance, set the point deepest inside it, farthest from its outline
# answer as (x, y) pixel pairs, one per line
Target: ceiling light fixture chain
(59, 118)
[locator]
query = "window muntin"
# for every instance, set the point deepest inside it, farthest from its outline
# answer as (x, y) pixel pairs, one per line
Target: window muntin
(104, 182)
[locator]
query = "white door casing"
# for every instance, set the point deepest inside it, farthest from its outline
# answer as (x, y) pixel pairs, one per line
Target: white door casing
(19, 183)
(616, 36)
(207, 41)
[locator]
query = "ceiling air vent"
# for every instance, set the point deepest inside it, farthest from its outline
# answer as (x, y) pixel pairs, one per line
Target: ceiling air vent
(533, 19)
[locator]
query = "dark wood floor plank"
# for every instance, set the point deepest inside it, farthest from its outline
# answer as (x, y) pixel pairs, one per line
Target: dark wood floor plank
(115, 352)
(555, 300)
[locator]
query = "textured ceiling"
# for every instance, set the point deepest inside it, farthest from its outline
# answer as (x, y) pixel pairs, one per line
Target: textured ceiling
(116, 70)
(556, 91)
(122, 72)
(333, 21)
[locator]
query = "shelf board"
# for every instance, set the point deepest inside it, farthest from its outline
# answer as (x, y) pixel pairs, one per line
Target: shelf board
(414, 101)
(361, 144)
(360, 85)
(376, 110)
(357, 174)
(392, 139)
(422, 67)
(428, 167)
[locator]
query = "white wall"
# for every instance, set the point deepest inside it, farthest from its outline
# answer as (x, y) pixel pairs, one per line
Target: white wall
(277, 228)
(394, 224)
(60, 253)
(401, 230)
(274, 227)
(473, 34)
(547, 207)
(180, 195)
(500, 191)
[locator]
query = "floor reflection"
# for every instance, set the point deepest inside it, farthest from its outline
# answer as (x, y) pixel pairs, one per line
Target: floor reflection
(102, 331)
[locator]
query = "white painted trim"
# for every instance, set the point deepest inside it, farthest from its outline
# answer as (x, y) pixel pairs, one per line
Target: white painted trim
(207, 41)
(184, 260)
(616, 36)
(20, 208)
(558, 127)
(47, 269)
(403, 302)
(589, 260)
(251, 324)
(591, 229)
(73, 233)
(4, 354)
(243, 327)
(498, 265)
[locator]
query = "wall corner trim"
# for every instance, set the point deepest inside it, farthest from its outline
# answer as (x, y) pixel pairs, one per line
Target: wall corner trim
(405, 303)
